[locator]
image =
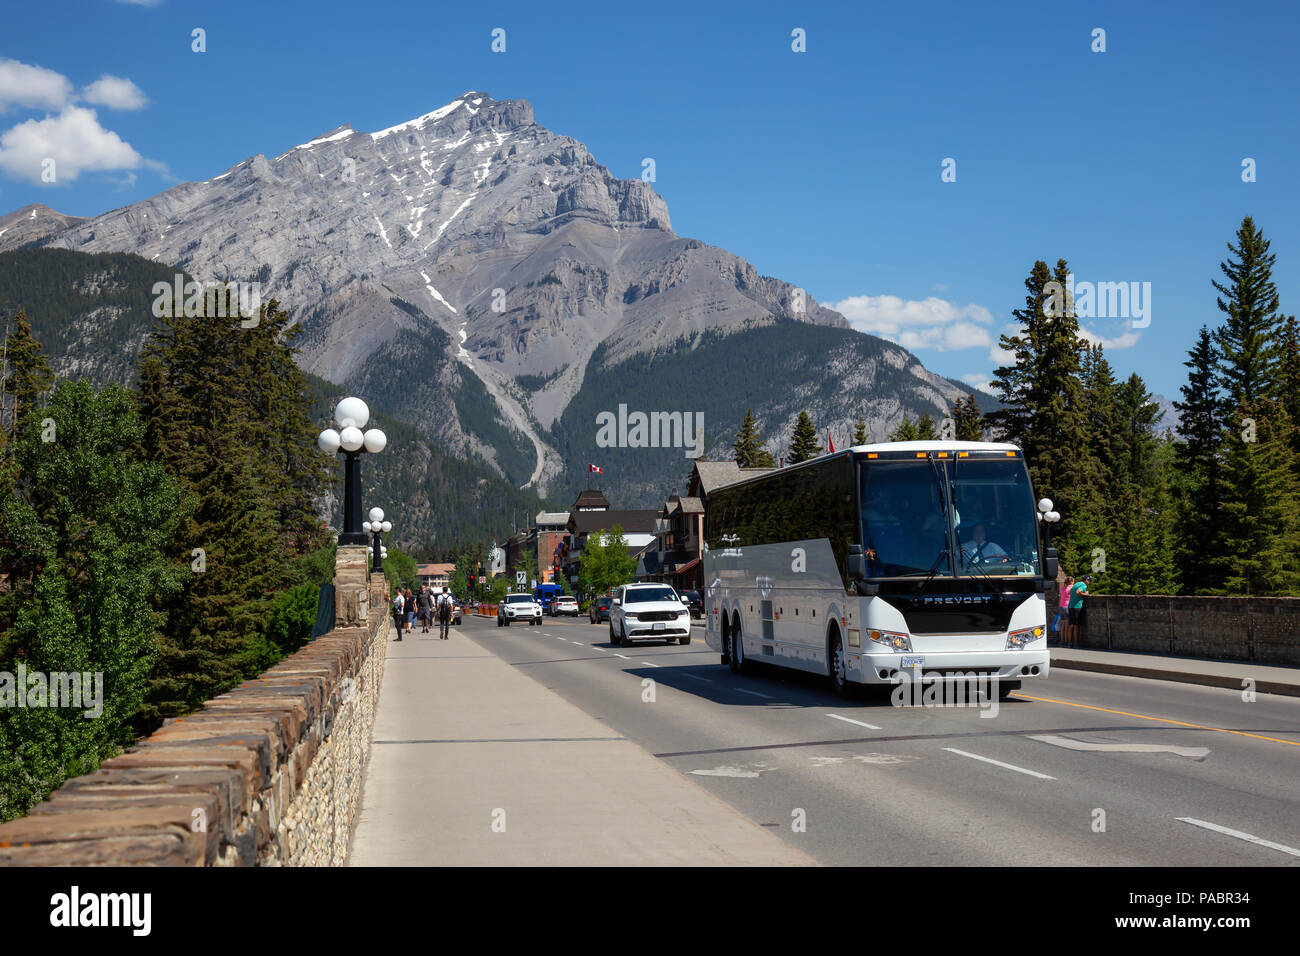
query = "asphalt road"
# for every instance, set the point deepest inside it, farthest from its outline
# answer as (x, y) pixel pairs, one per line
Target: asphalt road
(1078, 769)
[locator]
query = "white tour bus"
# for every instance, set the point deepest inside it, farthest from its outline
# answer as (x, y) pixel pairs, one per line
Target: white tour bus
(919, 557)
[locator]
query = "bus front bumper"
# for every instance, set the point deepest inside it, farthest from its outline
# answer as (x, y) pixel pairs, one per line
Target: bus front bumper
(886, 667)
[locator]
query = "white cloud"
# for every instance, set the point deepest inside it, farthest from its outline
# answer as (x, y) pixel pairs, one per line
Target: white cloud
(115, 92)
(979, 380)
(73, 139)
(32, 86)
(931, 323)
(1125, 341)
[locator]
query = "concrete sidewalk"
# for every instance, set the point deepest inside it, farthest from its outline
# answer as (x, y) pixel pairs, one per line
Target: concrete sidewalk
(462, 741)
(1187, 670)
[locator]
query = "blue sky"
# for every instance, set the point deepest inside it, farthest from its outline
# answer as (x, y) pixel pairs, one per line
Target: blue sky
(821, 167)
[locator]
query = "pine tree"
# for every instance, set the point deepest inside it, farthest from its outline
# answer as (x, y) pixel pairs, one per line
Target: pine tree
(1249, 341)
(906, 430)
(1042, 394)
(966, 420)
(803, 443)
(860, 436)
(28, 375)
(749, 449)
(925, 430)
(1197, 477)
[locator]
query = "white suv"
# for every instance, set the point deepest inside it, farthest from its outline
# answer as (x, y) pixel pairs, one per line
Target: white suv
(518, 607)
(648, 611)
(564, 605)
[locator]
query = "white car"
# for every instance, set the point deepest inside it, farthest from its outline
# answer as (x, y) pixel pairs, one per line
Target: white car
(564, 604)
(648, 612)
(518, 607)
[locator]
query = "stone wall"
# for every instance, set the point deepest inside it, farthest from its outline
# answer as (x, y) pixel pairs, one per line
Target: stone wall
(268, 774)
(1259, 629)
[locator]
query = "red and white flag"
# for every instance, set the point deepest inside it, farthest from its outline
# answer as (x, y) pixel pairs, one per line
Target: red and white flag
(595, 470)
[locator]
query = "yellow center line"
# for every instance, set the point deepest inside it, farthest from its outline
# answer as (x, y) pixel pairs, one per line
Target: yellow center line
(1166, 720)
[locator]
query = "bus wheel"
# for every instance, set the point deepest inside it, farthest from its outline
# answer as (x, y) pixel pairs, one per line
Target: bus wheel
(739, 662)
(840, 669)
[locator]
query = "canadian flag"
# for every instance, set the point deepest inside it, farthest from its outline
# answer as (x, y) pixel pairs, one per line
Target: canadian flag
(595, 470)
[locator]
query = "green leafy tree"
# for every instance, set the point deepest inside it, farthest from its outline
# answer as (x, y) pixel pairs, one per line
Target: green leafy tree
(606, 561)
(87, 541)
(749, 449)
(401, 570)
(803, 443)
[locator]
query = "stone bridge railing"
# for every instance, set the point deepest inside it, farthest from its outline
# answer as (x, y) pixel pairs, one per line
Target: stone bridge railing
(267, 774)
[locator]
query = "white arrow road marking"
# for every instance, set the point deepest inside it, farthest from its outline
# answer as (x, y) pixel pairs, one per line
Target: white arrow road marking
(728, 770)
(624, 658)
(850, 720)
(1068, 744)
(1239, 835)
(999, 763)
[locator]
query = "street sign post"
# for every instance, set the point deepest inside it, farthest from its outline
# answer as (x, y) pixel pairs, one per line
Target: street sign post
(520, 578)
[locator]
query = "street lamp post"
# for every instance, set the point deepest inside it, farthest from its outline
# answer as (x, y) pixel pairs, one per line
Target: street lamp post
(377, 526)
(351, 415)
(1049, 518)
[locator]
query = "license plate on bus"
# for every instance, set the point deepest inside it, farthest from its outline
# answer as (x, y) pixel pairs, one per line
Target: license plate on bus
(909, 662)
(659, 626)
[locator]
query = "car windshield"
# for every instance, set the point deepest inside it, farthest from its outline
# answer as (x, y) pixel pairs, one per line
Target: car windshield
(518, 599)
(644, 595)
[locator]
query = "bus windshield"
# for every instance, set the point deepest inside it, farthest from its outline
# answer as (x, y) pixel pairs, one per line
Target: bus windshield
(906, 532)
(993, 511)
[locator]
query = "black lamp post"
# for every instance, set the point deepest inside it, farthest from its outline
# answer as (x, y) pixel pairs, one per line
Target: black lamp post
(351, 415)
(377, 526)
(1049, 518)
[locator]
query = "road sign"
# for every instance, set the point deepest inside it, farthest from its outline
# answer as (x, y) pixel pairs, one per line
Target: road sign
(482, 579)
(534, 584)
(520, 578)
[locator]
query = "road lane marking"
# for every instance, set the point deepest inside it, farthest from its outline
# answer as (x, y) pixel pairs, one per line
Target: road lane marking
(648, 664)
(707, 680)
(1166, 720)
(1239, 835)
(1194, 752)
(850, 720)
(753, 693)
(999, 763)
(616, 654)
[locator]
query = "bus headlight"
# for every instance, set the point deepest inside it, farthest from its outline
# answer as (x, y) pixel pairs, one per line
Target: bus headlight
(891, 640)
(1018, 640)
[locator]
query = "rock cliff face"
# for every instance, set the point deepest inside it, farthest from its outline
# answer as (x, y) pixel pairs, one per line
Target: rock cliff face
(435, 261)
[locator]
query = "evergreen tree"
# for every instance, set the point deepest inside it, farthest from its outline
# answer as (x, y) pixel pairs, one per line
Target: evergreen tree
(1250, 340)
(966, 420)
(860, 436)
(803, 443)
(925, 430)
(749, 449)
(906, 430)
(27, 374)
(1197, 478)
(1042, 393)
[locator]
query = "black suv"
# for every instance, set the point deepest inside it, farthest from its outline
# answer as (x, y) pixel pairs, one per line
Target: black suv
(694, 602)
(599, 610)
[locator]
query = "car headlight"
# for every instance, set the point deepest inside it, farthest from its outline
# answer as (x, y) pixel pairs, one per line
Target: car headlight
(1018, 640)
(891, 640)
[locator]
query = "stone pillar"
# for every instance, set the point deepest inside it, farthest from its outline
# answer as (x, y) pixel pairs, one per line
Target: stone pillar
(351, 586)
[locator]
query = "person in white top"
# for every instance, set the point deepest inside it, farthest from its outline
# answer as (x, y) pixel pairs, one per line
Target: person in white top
(980, 550)
(399, 612)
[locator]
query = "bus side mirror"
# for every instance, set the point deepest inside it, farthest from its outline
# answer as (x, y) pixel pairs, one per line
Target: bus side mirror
(857, 563)
(1051, 564)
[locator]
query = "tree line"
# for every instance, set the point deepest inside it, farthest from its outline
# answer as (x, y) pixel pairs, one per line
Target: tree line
(164, 536)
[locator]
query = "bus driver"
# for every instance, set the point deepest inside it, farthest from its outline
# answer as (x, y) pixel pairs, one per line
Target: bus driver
(980, 550)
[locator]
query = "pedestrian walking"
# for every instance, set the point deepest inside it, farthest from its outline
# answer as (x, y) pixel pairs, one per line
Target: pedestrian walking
(409, 605)
(424, 602)
(444, 614)
(1077, 593)
(399, 616)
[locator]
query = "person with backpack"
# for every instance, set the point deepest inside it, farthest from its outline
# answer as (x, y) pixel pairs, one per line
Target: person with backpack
(444, 614)
(399, 601)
